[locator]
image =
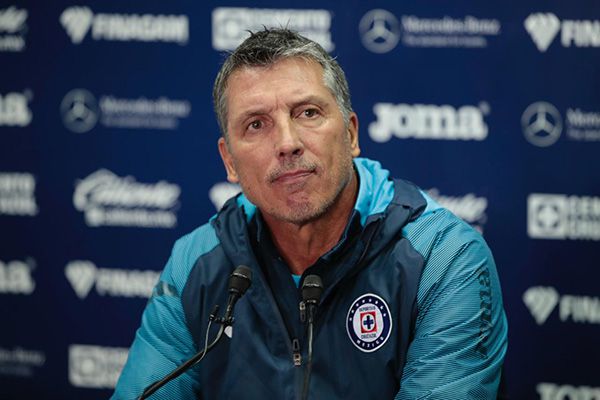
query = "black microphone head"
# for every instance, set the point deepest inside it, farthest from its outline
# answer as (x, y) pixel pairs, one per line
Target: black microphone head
(312, 288)
(240, 280)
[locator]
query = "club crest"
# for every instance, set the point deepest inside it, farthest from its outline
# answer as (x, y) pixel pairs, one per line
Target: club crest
(369, 322)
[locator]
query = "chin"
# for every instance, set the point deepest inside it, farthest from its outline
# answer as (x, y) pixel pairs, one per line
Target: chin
(296, 213)
(301, 213)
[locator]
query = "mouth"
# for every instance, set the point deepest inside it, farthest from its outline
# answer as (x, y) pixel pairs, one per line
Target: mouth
(293, 177)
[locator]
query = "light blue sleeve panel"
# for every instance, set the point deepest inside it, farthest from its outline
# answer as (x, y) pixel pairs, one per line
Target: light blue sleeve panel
(163, 341)
(460, 336)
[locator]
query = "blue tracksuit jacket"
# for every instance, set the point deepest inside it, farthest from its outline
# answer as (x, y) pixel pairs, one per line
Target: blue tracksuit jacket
(412, 308)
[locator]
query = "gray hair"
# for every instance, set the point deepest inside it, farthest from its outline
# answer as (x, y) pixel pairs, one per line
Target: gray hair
(265, 48)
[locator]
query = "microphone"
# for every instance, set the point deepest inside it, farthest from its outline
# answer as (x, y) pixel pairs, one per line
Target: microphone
(239, 281)
(312, 288)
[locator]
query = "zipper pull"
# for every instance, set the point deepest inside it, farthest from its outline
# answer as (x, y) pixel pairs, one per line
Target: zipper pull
(297, 357)
(302, 311)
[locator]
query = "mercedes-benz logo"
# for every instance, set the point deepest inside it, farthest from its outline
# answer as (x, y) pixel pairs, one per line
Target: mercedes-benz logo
(542, 124)
(379, 30)
(79, 110)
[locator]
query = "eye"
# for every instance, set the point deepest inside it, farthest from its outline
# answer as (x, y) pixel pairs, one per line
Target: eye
(255, 125)
(310, 112)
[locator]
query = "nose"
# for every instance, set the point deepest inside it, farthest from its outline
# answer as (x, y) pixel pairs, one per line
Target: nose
(288, 142)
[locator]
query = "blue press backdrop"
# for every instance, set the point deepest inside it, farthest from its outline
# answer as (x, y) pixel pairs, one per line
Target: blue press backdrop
(108, 155)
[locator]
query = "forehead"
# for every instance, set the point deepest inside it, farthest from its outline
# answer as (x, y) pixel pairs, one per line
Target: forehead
(286, 75)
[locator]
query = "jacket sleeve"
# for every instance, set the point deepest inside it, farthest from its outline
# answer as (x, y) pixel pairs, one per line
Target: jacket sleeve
(460, 336)
(162, 342)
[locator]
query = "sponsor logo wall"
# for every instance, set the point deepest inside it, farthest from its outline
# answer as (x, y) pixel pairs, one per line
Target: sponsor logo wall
(381, 31)
(561, 217)
(13, 29)
(16, 277)
(428, 121)
(541, 302)
(230, 25)
(114, 282)
(78, 21)
(110, 200)
(545, 27)
(17, 194)
(553, 391)
(221, 192)
(108, 155)
(20, 362)
(95, 367)
(14, 108)
(543, 124)
(81, 112)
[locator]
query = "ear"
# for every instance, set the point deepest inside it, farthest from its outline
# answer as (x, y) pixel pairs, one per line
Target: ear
(232, 175)
(353, 134)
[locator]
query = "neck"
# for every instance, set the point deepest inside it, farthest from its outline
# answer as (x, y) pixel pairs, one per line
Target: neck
(301, 245)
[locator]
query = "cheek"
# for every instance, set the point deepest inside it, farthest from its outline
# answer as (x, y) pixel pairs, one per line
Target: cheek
(250, 169)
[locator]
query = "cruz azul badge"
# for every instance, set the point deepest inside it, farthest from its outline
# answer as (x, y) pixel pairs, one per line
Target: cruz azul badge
(369, 322)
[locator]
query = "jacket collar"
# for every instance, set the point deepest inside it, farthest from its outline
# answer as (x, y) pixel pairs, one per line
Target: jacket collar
(375, 191)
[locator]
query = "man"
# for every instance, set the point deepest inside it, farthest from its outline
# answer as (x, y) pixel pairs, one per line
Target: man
(412, 305)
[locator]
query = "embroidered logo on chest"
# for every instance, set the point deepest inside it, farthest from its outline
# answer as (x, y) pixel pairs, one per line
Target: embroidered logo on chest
(369, 322)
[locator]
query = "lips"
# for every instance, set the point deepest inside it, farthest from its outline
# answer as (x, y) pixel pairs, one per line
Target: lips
(295, 176)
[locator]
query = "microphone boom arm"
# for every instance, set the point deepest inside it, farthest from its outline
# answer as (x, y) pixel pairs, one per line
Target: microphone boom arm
(183, 367)
(239, 281)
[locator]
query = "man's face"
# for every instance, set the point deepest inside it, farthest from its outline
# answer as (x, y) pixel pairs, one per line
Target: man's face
(288, 146)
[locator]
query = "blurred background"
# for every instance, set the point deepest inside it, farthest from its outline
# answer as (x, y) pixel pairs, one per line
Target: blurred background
(108, 155)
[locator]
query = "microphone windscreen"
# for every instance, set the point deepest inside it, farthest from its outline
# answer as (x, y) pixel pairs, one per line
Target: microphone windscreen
(312, 289)
(240, 280)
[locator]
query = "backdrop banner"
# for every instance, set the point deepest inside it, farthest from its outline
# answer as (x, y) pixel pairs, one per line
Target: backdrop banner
(108, 154)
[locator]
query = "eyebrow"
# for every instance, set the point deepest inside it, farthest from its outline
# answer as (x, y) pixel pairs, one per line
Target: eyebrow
(250, 113)
(310, 99)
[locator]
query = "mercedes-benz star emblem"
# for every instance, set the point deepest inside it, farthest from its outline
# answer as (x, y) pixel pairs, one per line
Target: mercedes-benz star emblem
(379, 30)
(542, 124)
(79, 110)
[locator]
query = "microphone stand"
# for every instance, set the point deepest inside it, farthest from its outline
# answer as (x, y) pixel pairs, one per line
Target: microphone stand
(239, 281)
(224, 322)
(312, 288)
(309, 334)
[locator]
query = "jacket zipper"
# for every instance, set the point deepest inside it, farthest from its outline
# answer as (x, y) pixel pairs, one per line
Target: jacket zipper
(302, 311)
(296, 352)
(296, 355)
(293, 343)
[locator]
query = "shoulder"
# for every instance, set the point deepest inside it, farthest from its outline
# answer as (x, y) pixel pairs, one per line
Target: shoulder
(437, 231)
(220, 231)
(453, 251)
(186, 251)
